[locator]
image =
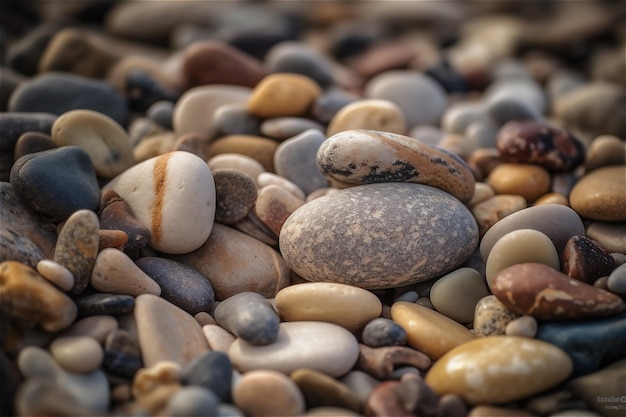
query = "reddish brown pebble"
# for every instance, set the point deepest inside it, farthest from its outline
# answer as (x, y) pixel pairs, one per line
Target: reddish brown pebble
(586, 260)
(116, 214)
(112, 239)
(547, 294)
(381, 362)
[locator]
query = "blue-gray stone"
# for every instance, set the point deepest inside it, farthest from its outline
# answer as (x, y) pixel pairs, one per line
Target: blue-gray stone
(299, 58)
(192, 401)
(213, 371)
(504, 109)
(104, 304)
(383, 332)
(591, 344)
(121, 354)
(250, 317)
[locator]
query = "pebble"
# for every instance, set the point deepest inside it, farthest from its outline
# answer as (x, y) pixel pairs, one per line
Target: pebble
(295, 160)
(552, 198)
(219, 339)
(345, 305)
(95, 327)
(192, 401)
(180, 284)
(243, 163)
(330, 102)
(520, 246)
(267, 178)
(256, 147)
(617, 280)
(39, 396)
(547, 294)
(161, 113)
(605, 150)
(250, 317)
(492, 317)
(56, 274)
(281, 128)
(499, 369)
(495, 208)
(506, 109)
(53, 192)
(116, 214)
(610, 235)
(212, 371)
(357, 157)
(268, 393)
(360, 383)
(407, 397)
(235, 194)
(234, 119)
(174, 196)
(299, 58)
(32, 142)
(458, 116)
(79, 355)
(383, 362)
(526, 180)
(585, 260)
(104, 304)
(599, 195)
(606, 383)
(321, 346)
(369, 114)
(383, 332)
(321, 390)
(525, 326)
(457, 293)
(167, 333)
(427, 330)
(380, 248)
(115, 273)
(283, 94)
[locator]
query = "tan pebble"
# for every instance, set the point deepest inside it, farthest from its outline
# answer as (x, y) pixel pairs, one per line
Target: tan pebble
(160, 373)
(482, 192)
(268, 178)
(56, 274)
(219, 339)
(203, 318)
(610, 235)
(115, 273)
(268, 393)
(457, 293)
(258, 148)
(552, 198)
(529, 181)
(252, 226)
(238, 161)
(78, 354)
(600, 194)
(462, 145)
(112, 239)
(601, 283)
(155, 402)
(369, 114)
(155, 145)
(605, 150)
(348, 306)
(427, 330)
(95, 327)
(283, 94)
(491, 317)
(320, 389)
(485, 159)
(524, 245)
(274, 204)
(494, 411)
(493, 209)
(525, 326)
(330, 412)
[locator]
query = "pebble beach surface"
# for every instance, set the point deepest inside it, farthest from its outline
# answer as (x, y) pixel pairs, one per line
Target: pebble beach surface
(277, 208)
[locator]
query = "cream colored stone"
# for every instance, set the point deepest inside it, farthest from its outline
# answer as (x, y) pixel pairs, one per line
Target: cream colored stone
(115, 273)
(268, 393)
(218, 338)
(56, 274)
(238, 161)
(482, 192)
(78, 354)
(95, 327)
(268, 178)
(369, 114)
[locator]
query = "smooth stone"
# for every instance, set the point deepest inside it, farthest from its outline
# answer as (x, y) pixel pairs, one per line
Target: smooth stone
(235, 194)
(121, 354)
(376, 249)
(495, 411)
(96, 327)
(219, 339)
(192, 401)
(32, 142)
(180, 284)
(294, 160)
(456, 294)
(557, 222)
(495, 208)
(605, 150)
(145, 82)
(428, 331)
(267, 178)
(281, 128)
(321, 346)
(193, 143)
(407, 397)
(585, 260)
(53, 192)
(167, 333)
(499, 369)
(506, 109)
(56, 274)
(383, 332)
(162, 112)
(250, 317)
(610, 235)
(152, 387)
(492, 317)
(421, 99)
(300, 58)
(547, 294)
(520, 246)
(591, 344)
(484, 160)
(115, 273)
(106, 142)
(525, 326)
(617, 280)
(116, 214)
(99, 304)
(522, 89)
(368, 114)
(391, 362)
(458, 116)
(238, 161)
(79, 355)
(360, 383)
(345, 305)
(273, 205)
(283, 94)
(526, 180)
(179, 212)
(260, 148)
(58, 92)
(31, 299)
(234, 262)
(267, 392)
(600, 195)
(112, 239)
(234, 119)
(42, 396)
(552, 198)
(330, 102)
(321, 390)
(357, 157)
(602, 390)
(212, 371)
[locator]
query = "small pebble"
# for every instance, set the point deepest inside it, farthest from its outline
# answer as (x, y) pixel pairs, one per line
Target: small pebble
(492, 317)
(383, 332)
(243, 163)
(212, 371)
(321, 390)
(273, 205)
(259, 148)
(116, 214)
(617, 280)
(115, 273)
(104, 304)
(121, 354)
(268, 393)
(282, 128)
(96, 327)
(80, 355)
(234, 119)
(372, 114)
(457, 293)
(599, 195)
(250, 317)
(56, 274)
(525, 326)
(585, 260)
(526, 180)
(219, 339)
(267, 178)
(283, 95)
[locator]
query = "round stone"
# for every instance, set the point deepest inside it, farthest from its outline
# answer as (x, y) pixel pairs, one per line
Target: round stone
(391, 234)
(528, 181)
(369, 114)
(250, 317)
(80, 355)
(457, 293)
(283, 94)
(192, 401)
(267, 393)
(238, 161)
(259, 148)
(235, 195)
(212, 371)
(56, 274)
(600, 195)
(273, 205)
(525, 326)
(604, 151)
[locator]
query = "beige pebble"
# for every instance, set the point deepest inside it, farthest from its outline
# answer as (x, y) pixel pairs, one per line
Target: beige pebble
(115, 273)
(274, 204)
(491, 317)
(238, 161)
(605, 150)
(482, 192)
(493, 209)
(268, 393)
(520, 246)
(494, 411)
(259, 148)
(268, 178)
(95, 327)
(457, 293)
(56, 274)
(525, 326)
(203, 318)
(600, 194)
(283, 94)
(462, 145)
(348, 306)
(529, 181)
(552, 198)
(78, 354)
(154, 145)
(428, 331)
(218, 338)
(369, 114)
(610, 235)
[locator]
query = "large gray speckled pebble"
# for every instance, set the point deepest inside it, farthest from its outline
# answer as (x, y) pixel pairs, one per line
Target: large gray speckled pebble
(390, 234)
(250, 317)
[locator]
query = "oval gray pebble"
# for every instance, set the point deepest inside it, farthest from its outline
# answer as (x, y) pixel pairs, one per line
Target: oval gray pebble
(383, 332)
(192, 401)
(250, 317)
(617, 280)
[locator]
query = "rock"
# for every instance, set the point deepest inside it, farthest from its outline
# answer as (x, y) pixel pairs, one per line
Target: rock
(383, 361)
(256, 147)
(617, 280)
(56, 274)
(383, 332)
(31, 299)
(192, 401)
(96, 327)
(32, 142)
(494, 411)
(152, 387)
(324, 347)
(493, 209)
(234, 119)
(115, 273)
(492, 317)
(174, 196)
(357, 157)
(79, 355)
(601, 390)
(499, 369)
(212, 371)
(106, 142)
(243, 163)
(116, 214)
(161, 113)
(408, 397)
(283, 95)
(235, 194)
(53, 192)
(39, 396)
(300, 58)
(457, 293)
(104, 304)
(267, 392)
(552, 198)
(321, 390)
(505, 109)
(219, 339)
(234, 262)
(250, 317)
(77, 247)
(281, 128)
(167, 333)
(547, 294)
(330, 102)
(372, 223)
(525, 326)
(121, 354)
(585, 260)
(610, 235)
(526, 180)
(347, 306)
(181, 285)
(368, 114)
(591, 344)
(599, 195)
(605, 150)
(428, 331)
(273, 205)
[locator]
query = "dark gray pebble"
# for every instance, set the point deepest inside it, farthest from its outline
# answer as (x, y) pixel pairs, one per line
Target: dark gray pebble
(32, 142)
(192, 401)
(234, 119)
(383, 332)
(213, 371)
(161, 112)
(121, 354)
(104, 304)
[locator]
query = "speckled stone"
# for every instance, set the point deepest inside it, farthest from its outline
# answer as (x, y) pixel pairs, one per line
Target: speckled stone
(250, 317)
(457, 293)
(586, 260)
(356, 157)
(492, 317)
(283, 95)
(600, 195)
(381, 248)
(235, 194)
(266, 393)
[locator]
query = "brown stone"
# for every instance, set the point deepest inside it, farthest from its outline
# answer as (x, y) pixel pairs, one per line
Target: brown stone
(321, 390)
(604, 151)
(274, 204)
(235, 194)
(116, 214)
(586, 260)
(383, 56)
(494, 209)
(601, 194)
(256, 147)
(283, 94)
(381, 362)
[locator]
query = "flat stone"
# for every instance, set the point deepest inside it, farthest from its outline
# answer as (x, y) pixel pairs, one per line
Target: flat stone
(525, 326)
(384, 362)
(357, 157)
(250, 317)
(605, 150)
(527, 180)
(96, 327)
(492, 317)
(115, 273)
(617, 280)
(368, 114)
(300, 58)
(457, 293)
(173, 195)
(391, 234)
(599, 195)
(499, 369)
(31, 142)
(267, 392)
(586, 260)
(234, 119)
(321, 390)
(219, 339)
(212, 371)
(322, 346)
(345, 305)
(259, 148)
(267, 178)
(505, 109)
(283, 95)
(610, 235)
(80, 355)
(238, 161)
(273, 205)
(56, 274)
(235, 194)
